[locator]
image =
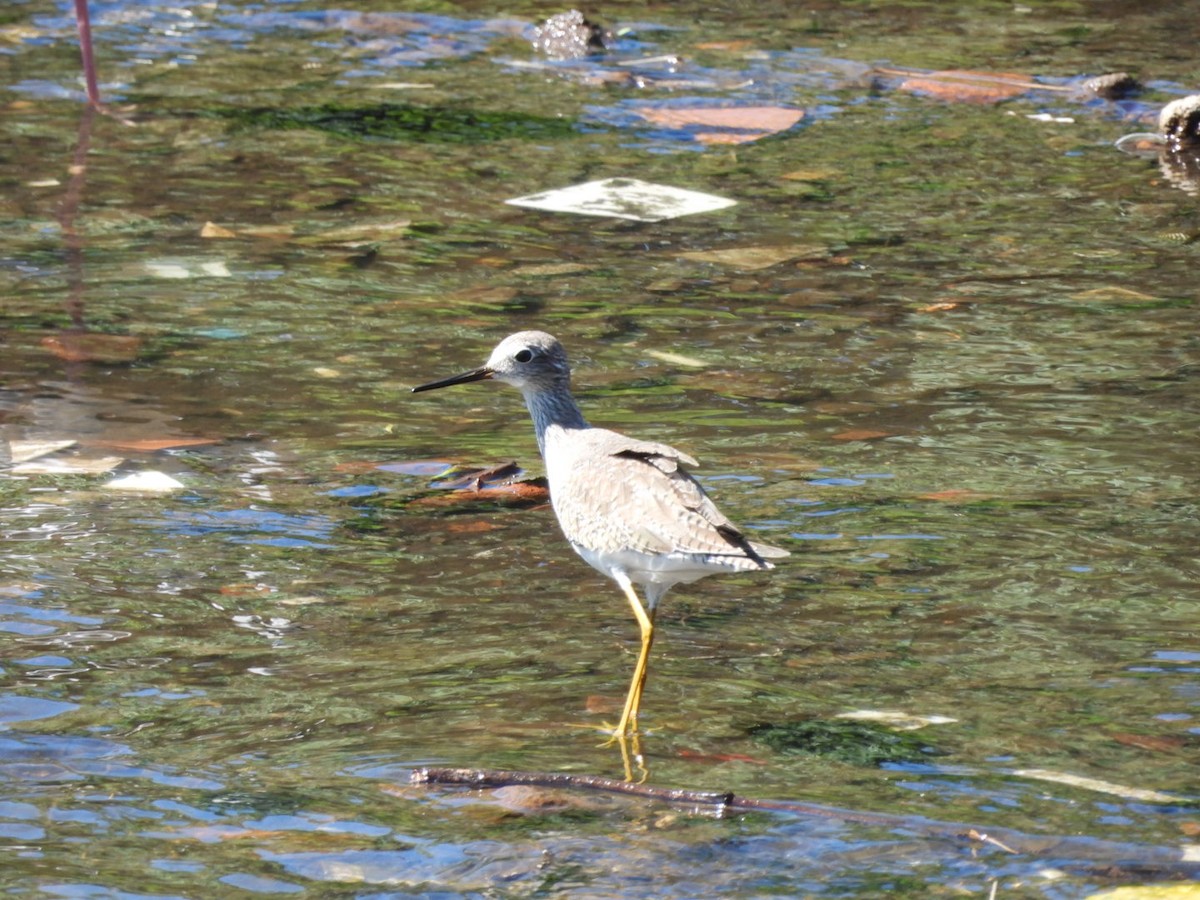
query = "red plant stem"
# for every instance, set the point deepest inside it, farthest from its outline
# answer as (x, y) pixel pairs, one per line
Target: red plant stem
(85, 50)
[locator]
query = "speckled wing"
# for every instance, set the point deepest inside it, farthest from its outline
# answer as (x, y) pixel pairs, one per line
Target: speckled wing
(639, 498)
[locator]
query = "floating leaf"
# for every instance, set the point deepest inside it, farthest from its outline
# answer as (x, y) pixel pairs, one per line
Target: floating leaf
(751, 259)
(363, 232)
(181, 270)
(738, 124)
(23, 451)
(149, 482)
(1114, 294)
(548, 269)
(733, 46)
(965, 86)
(902, 720)
(244, 588)
(477, 527)
(153, 445)
(624, 198)
(212, 230)
(676, 359)
(1153, 742)
(814, 174)
(75, 466)
(1094, 784)
(90, 347)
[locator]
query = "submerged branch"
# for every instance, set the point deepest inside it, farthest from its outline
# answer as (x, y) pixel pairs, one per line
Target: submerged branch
(1147, 858)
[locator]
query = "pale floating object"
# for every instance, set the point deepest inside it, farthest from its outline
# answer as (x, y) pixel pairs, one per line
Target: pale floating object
(150, 482)
(676, 359)
(79, 466)
(24, 451)
(624, 198)
(751, 259)
(736, 124)
(403, 85)
(213, 230)
(896, 719)
(179, 270)
(1095, 784)
(1046, 117)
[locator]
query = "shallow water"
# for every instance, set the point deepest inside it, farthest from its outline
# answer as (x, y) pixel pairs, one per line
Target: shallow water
(966, 404)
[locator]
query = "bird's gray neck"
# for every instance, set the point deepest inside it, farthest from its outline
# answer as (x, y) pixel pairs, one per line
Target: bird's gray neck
(556, 409)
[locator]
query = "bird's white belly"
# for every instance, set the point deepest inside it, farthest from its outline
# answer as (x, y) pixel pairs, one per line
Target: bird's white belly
(645, 568)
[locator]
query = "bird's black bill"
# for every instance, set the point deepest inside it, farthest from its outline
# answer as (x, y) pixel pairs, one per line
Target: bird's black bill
(474, 375)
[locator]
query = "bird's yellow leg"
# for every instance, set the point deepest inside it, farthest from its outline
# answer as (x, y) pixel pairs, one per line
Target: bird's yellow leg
(631, 753)
(633, 700)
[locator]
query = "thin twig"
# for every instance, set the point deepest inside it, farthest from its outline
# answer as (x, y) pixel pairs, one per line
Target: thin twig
(1165, 861)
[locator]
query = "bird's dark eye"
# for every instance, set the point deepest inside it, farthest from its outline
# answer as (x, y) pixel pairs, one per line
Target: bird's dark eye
(524, 356)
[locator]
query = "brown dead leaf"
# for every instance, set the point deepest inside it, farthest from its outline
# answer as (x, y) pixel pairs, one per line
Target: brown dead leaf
(98, 348)
(813, 174)
(752, 259)
(527, 799)
(366, 232)
(245, 588)
(547, 270)
(733, 46)
(152, 445)
(1114, 295)
(491, 295)
(966, 86)
(938, 307)
(521, 493)
(861, 434)
(1191, 829)
(739, 124)
(601, 704)
(477, 527)
(213, 230)
(1154, 743)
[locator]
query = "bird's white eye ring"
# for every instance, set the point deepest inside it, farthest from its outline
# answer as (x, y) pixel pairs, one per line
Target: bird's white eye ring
(523, 356)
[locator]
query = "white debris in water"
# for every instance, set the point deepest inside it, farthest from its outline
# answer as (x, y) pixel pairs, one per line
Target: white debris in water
(150, 482)
(68, 466)
(902, 720)
(1046, 117)
(24, 451)
(624, 198)
(165, 268)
